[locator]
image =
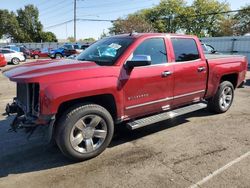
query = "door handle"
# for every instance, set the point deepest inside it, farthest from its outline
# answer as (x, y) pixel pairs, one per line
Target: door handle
(200, 69)
(166, 73)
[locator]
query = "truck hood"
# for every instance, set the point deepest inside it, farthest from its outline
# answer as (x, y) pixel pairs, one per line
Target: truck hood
(58, 70)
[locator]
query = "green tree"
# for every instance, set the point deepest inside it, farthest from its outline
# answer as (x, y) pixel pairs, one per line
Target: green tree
(71, 39)
(167, 16)
(134, 22)
(87, 40)
(242, 19)
(201, 18)
(28, 19)
(226, 27)
(48, 37)
(103, 35)
(23, 26)
(204, 19)
(9, 26)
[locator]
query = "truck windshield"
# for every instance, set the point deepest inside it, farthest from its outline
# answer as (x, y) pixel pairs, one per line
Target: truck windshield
(106, 51)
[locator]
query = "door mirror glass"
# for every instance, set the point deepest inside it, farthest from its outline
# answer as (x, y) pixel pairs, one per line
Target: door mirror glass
(138, 61)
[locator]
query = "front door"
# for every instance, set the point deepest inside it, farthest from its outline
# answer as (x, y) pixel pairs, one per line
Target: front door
(148, 89)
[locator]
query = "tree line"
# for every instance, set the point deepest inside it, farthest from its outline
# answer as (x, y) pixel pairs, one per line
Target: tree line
(24, 26)
(201, 18)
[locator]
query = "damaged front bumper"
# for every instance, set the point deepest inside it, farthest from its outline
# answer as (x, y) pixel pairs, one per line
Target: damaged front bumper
(28, 121)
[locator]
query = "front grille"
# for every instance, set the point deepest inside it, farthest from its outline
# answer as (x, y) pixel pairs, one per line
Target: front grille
(28, 97)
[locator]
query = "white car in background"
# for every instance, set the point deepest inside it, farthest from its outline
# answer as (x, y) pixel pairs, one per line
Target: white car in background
(12, 56)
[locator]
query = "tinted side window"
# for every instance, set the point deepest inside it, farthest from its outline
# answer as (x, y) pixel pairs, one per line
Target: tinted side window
(155, 48)
(68, 47)
(76, 47)
(185, 49)
(6, 51)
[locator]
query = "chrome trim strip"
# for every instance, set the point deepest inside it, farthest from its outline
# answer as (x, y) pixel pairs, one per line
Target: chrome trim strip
(187, 94)
(163, 100)
(148, 103)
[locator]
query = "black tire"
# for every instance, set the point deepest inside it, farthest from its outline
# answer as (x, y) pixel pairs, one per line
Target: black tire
(215, 105)
(66, 127)
(58, 56)
(15, 61)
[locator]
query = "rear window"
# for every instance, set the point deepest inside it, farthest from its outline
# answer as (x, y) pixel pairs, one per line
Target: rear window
(5, 51)
(185, 49)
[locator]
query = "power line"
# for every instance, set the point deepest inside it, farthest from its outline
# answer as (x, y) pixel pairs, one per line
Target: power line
(54, 3)
(59, 24)
(110, 12)
(95, 20)
(114, 3)
(54, 8)
(100, 5)
(54, 21)
(213, 13)
(42, 3)
(79, 19)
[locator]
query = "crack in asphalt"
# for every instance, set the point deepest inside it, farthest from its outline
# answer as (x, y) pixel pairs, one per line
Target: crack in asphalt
(197, 156)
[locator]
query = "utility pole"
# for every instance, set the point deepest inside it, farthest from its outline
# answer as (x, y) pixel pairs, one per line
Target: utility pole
(75, 20)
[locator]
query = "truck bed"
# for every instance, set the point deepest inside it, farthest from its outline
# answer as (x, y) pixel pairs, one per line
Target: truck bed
(219, 56)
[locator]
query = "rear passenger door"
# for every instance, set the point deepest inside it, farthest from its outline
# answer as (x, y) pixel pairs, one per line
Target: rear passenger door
(190, 72)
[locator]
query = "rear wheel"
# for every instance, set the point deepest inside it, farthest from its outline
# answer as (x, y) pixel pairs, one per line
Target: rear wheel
(15, 61)
(223, 98)
(36, 57)
(58, 56)
(84, 131)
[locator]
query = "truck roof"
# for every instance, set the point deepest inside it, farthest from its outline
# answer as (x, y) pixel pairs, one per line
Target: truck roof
(138, 35)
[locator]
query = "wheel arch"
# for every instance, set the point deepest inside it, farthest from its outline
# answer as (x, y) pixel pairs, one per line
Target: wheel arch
(105, 100)
(233, 78)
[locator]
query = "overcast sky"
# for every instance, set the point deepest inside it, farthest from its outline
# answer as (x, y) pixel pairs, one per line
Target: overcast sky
(58, 11)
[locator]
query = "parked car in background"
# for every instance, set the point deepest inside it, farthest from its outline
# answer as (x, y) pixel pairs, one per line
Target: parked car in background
(73, 56)
(84, 46)
(43, 53)
(3, 62)
(65, 51)
(12, 56)
(26, 51)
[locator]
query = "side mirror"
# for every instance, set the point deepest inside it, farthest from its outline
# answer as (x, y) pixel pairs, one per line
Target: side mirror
(138, 61)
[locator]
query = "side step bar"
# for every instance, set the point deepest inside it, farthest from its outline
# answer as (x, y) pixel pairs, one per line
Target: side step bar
(165, 115)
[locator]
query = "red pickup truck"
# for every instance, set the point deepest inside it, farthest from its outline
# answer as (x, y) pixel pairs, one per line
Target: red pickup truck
(137, 79)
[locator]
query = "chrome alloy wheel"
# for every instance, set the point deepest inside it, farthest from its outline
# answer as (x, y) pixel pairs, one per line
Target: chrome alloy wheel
(88, 133)
(226, 97)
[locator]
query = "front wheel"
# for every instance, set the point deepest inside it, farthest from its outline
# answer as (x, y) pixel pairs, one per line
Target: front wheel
(84, 131)
(223, 98)
(58, 56)
(15, 61)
